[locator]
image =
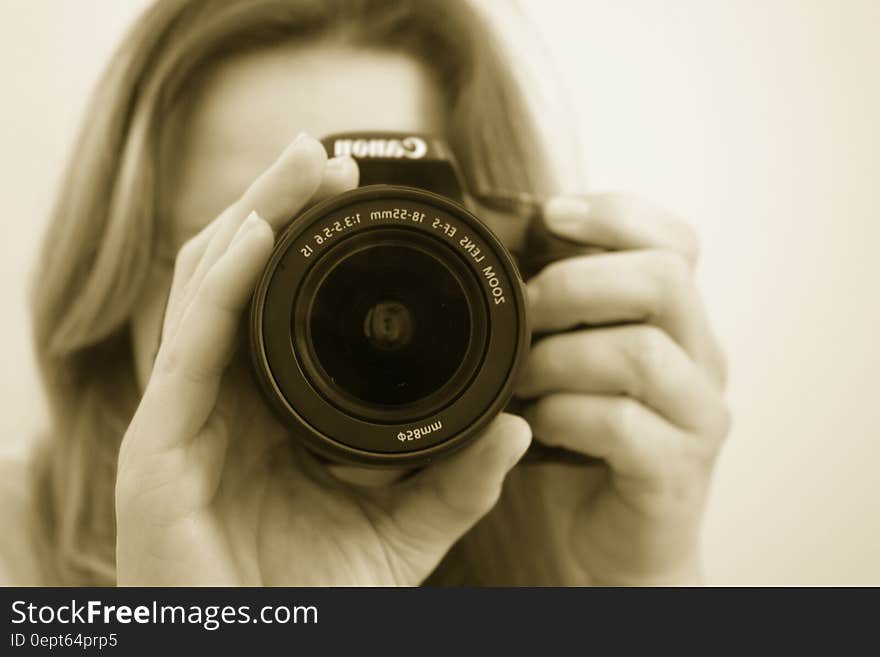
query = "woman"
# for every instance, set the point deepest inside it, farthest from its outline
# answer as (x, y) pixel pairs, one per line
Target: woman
(166, 467)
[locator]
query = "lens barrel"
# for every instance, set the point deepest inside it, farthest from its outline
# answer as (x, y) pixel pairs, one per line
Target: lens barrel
(388, 327)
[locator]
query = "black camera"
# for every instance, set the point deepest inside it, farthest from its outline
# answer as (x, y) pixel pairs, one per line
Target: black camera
(391, 323)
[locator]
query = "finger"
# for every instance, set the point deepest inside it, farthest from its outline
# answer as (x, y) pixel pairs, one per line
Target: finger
(183, 389)
(619, 222)
(277, 196)
(654, 287)
(637, 360)
(438, 505)
(629, 436)
(341, 174)
(285, 188)
(188, 258)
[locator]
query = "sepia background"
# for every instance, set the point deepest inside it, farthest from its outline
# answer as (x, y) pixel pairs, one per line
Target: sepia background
(757, 120)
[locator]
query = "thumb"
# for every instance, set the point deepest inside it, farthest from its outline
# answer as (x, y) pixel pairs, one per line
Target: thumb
(437, 506)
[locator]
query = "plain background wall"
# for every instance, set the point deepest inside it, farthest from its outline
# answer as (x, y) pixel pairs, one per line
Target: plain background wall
(756, 120)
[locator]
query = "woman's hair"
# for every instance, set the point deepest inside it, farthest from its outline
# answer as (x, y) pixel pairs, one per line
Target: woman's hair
(103, 235)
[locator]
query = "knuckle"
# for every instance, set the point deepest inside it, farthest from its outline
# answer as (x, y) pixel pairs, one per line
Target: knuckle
(627, 446)
(213, 291)
(725, 422)
(648, 352)
(679, 478)
(721, 367)
(671, 269)
(708, 445)
(174, 367)
(488, 498)
(166, 363)
(670, 274)
(188, 252)
(689, 240)
(551, 360)
(622, 418)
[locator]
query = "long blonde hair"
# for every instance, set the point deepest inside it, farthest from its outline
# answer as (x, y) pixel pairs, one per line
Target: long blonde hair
(102, 237)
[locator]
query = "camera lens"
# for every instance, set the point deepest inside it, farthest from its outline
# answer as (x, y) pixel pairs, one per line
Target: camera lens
(389, 322)
(388, 326)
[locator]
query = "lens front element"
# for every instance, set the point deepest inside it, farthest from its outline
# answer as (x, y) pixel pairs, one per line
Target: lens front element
(391, 316)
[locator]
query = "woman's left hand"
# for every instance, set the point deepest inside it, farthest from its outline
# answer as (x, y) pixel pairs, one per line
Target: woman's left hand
(629, 372)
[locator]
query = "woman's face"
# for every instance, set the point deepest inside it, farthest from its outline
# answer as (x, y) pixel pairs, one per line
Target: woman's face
(243, 114)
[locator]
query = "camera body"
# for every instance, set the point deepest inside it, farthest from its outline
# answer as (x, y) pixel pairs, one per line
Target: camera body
(390, 324)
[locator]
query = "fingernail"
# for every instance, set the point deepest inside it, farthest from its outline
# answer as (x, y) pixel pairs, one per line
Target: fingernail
(299, 139)
(252, 220)
(566, 215)
(339, 162)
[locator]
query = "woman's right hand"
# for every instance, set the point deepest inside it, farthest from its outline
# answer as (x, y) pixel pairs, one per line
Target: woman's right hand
(210, 488)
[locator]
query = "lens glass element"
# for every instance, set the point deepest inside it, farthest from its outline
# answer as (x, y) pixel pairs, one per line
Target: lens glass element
(390, 324)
